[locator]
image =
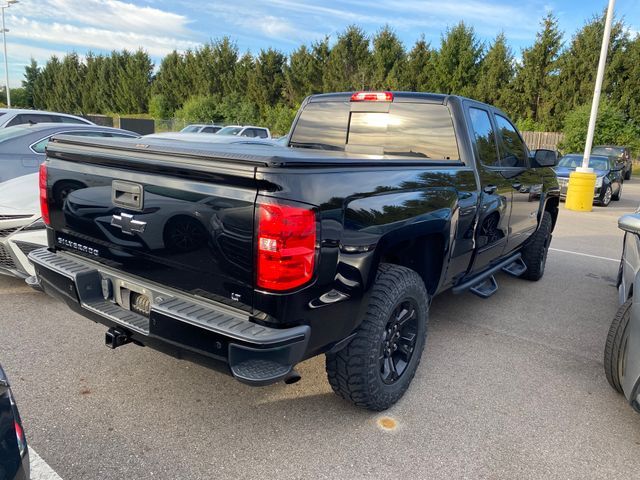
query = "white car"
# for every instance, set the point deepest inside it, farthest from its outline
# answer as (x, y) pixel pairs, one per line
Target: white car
(245, 131)
(201, 128)
(18, 116)
(19, 203)
(19, 214)
(15, 249)
(222, 139)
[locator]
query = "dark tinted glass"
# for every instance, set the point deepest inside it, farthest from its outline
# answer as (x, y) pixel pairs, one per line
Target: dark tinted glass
(415, 130)
(322, 125)
(513, 152)
(208, 130)
(30, 118)
(484, 136)
(260, 133)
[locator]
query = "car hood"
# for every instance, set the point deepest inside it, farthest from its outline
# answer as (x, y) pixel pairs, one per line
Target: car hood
(20, 195)
(564, 172)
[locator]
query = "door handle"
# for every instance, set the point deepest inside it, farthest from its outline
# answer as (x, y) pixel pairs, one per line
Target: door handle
(490, 189)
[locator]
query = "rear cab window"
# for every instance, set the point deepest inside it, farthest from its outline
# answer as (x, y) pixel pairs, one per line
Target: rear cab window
(397, 129)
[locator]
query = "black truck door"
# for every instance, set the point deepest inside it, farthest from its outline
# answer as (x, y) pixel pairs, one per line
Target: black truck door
(525, 181)
(496, 189)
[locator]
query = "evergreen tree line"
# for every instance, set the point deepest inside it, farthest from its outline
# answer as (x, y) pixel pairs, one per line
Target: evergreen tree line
(541, 89)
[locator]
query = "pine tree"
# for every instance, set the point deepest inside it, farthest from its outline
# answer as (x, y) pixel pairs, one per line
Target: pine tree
(134, 82)
(532, 94)
(577, 67)
(348, 65)
(625, 79)
(496, 73)
(298, 76)
(419, 71)
(267, 78)
(388, 61)
(457, 63)
(31, 73)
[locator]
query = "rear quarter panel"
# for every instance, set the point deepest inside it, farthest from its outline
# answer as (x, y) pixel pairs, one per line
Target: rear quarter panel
(364, 212)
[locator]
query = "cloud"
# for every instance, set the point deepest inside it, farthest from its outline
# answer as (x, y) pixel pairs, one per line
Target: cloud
(85, 38)
(107, 15)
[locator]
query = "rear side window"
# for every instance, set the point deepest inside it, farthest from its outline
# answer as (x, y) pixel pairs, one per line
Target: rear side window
(260, 132)
(64, 119)
(207, 130)
(484, 136)
(513, 152)
(22, 118)
(416, 130)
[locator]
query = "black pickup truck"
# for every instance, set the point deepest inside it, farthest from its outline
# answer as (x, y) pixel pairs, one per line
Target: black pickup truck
(256, 258)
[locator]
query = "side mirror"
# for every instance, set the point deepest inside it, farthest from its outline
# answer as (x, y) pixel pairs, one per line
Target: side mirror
(545, 158)
(630, 223)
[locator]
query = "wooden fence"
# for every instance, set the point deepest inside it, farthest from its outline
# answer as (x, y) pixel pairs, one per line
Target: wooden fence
(548, 140)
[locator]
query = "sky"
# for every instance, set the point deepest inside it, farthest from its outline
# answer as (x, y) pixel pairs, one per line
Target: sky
(41, 28)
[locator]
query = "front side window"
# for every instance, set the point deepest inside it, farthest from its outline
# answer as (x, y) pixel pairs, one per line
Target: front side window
(484, 136)
(513, 152)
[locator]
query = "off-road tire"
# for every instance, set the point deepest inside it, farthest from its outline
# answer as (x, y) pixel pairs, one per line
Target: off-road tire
(534, 253)
(354, 371)
(616, 344)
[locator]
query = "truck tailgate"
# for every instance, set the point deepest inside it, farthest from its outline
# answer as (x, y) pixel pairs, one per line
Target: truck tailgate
(182, 222)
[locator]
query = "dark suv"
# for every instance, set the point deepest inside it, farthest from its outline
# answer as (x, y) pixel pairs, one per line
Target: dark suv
(622, 154)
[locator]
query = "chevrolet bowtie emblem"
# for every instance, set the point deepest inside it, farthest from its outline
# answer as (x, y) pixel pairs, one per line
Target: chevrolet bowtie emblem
(127, 224)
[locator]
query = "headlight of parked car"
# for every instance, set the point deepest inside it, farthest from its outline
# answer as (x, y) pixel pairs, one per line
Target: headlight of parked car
(599, 181)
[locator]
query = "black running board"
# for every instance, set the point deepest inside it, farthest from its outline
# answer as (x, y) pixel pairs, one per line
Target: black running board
(484, 284)
(515, 268)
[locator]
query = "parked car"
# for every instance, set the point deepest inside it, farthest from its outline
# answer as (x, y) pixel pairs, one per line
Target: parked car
(14, 451)
(608, 176)
(15, 248)
(22, 148)
(335, 245)
(246, 131)
(201, 128)
(10, 117)
(219, 139)
(19, 203)
(622, 348)
(621, 154)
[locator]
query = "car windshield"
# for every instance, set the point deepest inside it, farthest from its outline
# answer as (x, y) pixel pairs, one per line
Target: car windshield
(573, 161)
(609, 151)
(14, 132)
(190, 129)
(229, 131)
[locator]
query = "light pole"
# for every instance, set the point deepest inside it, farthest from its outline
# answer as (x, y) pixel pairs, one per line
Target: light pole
(4, 42)
(580, 194)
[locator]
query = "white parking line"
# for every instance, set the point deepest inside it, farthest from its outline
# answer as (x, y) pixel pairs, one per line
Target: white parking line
(617, 260)
(40, 470)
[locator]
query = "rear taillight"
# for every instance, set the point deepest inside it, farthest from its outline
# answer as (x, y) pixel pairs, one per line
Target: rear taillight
(22, 442)
(44, 205)
(286, 246)
(372, 97)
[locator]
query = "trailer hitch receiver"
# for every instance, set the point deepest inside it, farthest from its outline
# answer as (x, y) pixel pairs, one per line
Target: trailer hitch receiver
(116, 337)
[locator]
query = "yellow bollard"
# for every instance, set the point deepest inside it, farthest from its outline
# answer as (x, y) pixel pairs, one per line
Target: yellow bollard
(580, 191)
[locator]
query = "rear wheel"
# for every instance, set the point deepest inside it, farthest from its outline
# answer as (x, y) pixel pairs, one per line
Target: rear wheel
(534, 253)
(616, 345)
(377, 366)
(627, 176)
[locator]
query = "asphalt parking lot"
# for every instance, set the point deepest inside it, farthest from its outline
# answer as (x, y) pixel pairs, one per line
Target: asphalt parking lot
(509, 387)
